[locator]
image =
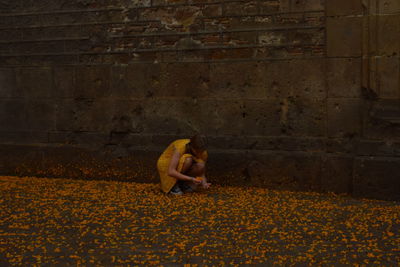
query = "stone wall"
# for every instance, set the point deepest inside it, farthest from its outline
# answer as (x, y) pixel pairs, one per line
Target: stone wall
(293, 94)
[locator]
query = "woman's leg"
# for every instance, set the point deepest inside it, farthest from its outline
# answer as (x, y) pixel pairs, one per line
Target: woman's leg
(197, 169)
(191, 168)
(187, 164)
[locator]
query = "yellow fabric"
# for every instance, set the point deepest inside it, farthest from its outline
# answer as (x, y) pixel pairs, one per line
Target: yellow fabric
(167, 182)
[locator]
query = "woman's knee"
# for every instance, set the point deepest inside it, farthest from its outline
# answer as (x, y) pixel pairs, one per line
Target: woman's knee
(187, 164)
(198, 168)
(201, 166)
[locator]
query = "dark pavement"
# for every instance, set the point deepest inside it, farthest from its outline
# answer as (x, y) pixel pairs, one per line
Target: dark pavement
(64, 222)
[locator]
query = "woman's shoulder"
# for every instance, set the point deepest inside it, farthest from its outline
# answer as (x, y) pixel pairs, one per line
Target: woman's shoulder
(181, 142)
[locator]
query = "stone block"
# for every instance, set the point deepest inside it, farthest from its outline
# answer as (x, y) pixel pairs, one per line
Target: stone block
(294, 171)
(389, 77)
(294, 78)
(371, 82)
(239, 38)
(24, 137)
(307, 37)
(113, 115)
(35, 82)
(224, 142)
(231, 54)
(367, 36)
(387, 148)
(135, 80)
(307, 5)
(241, 8)
(193, 56)
(140, 3)
(284, 5)
(92, 81)
(270, 38)
(182, 116)
(344, 7)
(4, 48)
(34, 48)
(10, 34)
(341, 145)
(51, 32)
(344, 36)
(240, 79)
(13, 115)
(291, 38)
(183, 80)
(365, 71)
(386, 110)
(344, 77)
(284, 143)
(268, 7)
(382, 121)
(302, 116)
(65, 115)
(212, 39)
(79, 138)
(64, 81)
(40, 115)
(133, 140)
(85, 115)
(79, 46)
(8, 83)
(102, 59)
(389, 6)
(42, 60)
(388, 35)
(25, 20)
(288, 19)
(211, 116)
(128, 116)
(344, 117)
(245, 117)
(254, 117)
(212, 10)
(337, 174)
(377, 177)
(228, 168)
(269, 118)
(371, 6)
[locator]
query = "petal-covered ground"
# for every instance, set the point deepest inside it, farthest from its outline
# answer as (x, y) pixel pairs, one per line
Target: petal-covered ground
(61, 222)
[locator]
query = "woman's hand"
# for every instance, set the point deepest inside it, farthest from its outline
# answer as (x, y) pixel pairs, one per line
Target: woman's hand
(206, 185)
(196, 181)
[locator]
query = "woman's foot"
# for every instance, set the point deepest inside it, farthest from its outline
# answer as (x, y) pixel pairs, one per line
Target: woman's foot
(176, 190)
(185, 187)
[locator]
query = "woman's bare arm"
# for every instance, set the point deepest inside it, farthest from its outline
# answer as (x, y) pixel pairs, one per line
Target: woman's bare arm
(173, 165)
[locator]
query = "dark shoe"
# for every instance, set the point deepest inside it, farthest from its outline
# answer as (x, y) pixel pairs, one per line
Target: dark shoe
(185, 187)
(176, 190)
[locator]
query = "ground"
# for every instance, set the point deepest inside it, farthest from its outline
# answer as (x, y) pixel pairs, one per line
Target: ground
(62, 222)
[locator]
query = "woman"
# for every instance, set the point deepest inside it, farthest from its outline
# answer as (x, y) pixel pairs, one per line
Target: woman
(182, 166)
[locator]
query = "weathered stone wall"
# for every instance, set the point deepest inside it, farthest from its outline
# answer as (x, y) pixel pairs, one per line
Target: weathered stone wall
(298, 94)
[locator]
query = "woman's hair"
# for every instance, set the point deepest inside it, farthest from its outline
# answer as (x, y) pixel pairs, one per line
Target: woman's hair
(198, 142)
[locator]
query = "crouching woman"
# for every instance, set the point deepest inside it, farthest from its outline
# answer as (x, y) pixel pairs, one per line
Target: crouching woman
(182, 166)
